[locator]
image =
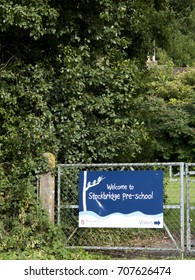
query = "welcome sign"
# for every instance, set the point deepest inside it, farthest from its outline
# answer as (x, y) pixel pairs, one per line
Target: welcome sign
(129, 199)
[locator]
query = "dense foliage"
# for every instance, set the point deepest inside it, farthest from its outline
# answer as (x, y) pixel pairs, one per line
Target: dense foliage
(73, 82)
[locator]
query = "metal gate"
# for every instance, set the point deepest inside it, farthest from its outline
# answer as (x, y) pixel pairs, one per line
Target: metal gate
(171, 238)
(190, 207)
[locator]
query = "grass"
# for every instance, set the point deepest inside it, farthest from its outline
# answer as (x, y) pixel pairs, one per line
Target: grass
(78, 254)
(88, 255)
(173, 192)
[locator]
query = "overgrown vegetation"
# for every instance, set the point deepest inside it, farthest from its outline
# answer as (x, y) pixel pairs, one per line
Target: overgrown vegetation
(73, 81)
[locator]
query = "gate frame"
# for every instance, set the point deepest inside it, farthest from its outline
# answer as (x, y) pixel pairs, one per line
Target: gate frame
(188, 208)
(181, 173)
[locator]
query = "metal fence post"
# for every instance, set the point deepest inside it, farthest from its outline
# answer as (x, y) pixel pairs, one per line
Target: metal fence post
(182, 205)
(59, 194)
(188, 234)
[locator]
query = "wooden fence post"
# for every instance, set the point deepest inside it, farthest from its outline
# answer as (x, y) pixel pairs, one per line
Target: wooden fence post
(47, 188)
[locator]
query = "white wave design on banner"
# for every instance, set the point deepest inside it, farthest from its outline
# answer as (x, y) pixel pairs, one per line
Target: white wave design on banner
(117, 220)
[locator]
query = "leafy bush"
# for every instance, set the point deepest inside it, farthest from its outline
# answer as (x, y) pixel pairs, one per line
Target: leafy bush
(24, 229)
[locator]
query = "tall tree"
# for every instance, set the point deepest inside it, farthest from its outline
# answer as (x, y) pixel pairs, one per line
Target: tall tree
(167, 112)
(75, 60)
(182, 44)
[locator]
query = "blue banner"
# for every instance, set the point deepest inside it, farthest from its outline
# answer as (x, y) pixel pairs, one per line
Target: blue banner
(121, 199)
